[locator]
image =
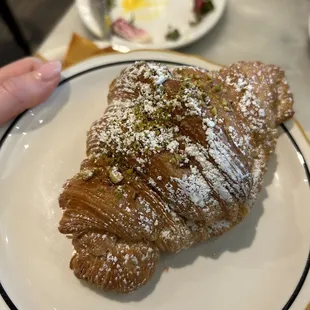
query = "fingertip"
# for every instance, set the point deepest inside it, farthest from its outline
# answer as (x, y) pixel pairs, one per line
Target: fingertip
(20, 67)
(49, 71)
(26, 91)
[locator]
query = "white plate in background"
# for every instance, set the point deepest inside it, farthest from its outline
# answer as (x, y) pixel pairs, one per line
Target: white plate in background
(156, 18)
(260, 264)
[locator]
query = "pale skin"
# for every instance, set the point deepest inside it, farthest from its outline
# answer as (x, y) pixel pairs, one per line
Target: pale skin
(25, 84)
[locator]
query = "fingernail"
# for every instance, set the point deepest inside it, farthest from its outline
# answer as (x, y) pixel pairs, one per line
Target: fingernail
(49, 71)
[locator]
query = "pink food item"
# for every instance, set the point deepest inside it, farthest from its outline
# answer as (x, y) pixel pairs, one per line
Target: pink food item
(198, 4)
(126, 30)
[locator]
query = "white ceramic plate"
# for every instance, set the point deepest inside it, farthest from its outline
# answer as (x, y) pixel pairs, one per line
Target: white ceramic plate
(260, 264)
(155, 18)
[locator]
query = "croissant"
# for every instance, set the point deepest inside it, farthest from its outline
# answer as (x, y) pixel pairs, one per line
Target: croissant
(177, 158)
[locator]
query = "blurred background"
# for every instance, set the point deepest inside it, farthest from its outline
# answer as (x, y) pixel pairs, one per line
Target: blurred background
(36, 19)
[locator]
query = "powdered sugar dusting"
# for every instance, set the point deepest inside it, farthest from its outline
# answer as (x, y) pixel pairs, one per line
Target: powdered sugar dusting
(184, 151)
(195, 187)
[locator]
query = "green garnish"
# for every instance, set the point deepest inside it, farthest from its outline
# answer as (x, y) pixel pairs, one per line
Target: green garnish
(111, 4)
(201, 8)
(118, 193)
(129, 171)
(173, 34)
(207, 7)
(217, 88)
(87, 174)
(214, 111)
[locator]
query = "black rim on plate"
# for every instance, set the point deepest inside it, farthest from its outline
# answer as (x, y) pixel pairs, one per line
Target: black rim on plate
(304, 274)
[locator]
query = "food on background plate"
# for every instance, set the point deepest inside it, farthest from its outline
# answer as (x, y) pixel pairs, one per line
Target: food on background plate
(128, 31)
(173, 34)
(80, 49)
(111, 4)
(178, 158)
(201, 9)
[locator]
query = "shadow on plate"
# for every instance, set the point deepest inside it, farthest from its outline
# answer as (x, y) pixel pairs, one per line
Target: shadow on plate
(240, 237)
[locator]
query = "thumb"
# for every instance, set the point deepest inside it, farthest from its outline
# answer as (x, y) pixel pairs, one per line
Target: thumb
(20, 93)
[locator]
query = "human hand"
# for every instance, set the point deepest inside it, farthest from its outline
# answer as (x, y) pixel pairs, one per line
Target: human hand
(25, 84)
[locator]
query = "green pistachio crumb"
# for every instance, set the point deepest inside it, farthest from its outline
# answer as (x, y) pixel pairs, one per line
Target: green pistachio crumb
(217, 88)
(173, 161)
(214, 111)
(176, 159)
(87, 175)
(129, 171)
(173, 35)
(115, 176)
(118, 193)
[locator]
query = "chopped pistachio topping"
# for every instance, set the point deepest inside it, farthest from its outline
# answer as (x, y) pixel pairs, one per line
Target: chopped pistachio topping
(115, 176)
(86, 175)
(214, 111)
(217, 88)
(129, 171)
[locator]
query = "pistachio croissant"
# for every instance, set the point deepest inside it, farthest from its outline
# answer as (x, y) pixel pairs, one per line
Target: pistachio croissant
(177, 158)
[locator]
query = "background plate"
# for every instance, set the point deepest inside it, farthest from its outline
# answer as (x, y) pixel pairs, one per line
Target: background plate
(156, 18)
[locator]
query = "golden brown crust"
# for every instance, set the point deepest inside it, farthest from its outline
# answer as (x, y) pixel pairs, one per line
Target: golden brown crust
(113, 264)
(177, 158)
